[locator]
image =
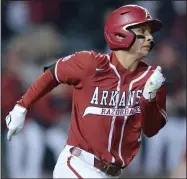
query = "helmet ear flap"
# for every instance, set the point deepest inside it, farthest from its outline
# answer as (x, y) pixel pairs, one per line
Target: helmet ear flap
(127, 40)
(132, 40)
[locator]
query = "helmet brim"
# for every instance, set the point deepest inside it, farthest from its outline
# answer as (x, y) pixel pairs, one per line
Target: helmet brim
(154, 24)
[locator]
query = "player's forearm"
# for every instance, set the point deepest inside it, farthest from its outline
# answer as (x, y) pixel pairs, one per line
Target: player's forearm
(45, 83)
(152, 119)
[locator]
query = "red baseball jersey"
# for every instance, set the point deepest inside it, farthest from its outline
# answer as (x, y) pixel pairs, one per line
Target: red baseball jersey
(106, 111)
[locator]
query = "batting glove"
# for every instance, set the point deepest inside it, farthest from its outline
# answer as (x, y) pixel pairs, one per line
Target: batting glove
(153, 84)
(15, 120)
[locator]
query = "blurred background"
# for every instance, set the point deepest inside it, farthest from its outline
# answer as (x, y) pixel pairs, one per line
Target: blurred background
(37, 33)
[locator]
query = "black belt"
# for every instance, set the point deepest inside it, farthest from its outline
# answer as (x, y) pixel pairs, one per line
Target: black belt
(107, 168)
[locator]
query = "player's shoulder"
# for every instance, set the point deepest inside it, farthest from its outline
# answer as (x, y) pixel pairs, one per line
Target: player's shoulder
(91, 54)
(97, 58)
(101, 59)
(81, 58)
(83, 55)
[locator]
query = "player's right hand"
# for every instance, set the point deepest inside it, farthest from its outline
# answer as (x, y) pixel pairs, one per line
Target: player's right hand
(15, 120)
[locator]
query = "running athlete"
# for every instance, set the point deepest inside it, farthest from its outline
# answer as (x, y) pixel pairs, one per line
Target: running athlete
(117, 96)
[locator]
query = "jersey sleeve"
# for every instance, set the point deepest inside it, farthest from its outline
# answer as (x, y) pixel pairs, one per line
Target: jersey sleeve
(153, 113)
(74, 68)
(161, 102)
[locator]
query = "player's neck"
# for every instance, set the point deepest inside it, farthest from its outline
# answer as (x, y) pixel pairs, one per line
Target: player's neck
(127, 60)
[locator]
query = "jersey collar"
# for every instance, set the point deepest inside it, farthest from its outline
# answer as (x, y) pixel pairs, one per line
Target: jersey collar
(121, 69)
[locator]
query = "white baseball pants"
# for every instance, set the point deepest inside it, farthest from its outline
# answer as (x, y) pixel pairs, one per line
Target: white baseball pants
(70, 166)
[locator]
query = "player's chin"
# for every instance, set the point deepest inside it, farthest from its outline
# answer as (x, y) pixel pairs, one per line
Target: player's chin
(145, 52)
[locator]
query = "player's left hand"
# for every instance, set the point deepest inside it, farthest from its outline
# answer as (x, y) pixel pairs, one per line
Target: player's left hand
(153, 84)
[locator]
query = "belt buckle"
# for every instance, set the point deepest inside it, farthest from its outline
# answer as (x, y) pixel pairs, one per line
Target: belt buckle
(107, 169)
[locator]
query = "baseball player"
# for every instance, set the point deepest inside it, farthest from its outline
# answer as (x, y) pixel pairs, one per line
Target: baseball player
(116, 97)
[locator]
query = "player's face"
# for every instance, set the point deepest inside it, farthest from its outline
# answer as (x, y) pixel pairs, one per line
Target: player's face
(142, 44)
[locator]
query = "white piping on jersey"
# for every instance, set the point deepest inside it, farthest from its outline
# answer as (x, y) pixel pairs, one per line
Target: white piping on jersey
(164, 114)
(117, 100)
(126, 117)
(56, 71)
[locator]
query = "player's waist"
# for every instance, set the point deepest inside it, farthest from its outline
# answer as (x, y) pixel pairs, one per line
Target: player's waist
(89, 158)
